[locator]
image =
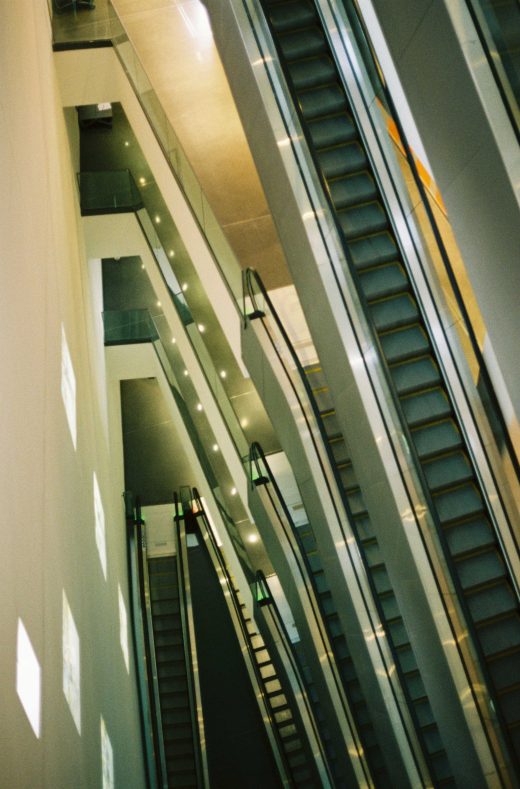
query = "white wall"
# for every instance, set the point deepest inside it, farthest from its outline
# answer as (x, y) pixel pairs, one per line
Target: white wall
(48, 538)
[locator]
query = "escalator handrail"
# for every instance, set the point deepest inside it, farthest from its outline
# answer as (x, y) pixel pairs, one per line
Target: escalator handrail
(135, 518)
(189, 646)
(281, 629)
(423, 489)
(461, 305)
(208, 532)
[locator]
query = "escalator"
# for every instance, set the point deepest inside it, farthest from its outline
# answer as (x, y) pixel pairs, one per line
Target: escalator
(172, 674)
(305, 545)
(254, 736)
(457, 504)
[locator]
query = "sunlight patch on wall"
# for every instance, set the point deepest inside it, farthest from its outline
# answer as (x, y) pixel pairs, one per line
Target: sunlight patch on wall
(123, 628)
(107, 758)
(71, 665)
(68, 386)
(99, 518)
(28, 678)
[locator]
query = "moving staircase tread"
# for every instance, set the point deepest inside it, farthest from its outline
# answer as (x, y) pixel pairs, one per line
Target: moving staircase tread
(428, 405)
(332, 132)
(310, 72)
(414, 376)
(404, 343)
(384, 279)
(362, 219)
(319, 101)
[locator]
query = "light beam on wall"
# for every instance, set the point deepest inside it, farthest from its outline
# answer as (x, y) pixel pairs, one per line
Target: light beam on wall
(71, 664)
(28, 678)
(68, 386)
(123, 628)
(107, 758)
(99, 519)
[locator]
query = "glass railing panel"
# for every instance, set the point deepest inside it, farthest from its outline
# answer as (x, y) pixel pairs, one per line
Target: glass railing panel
(81, 21)
(108, 191)
(498, 25)
(128, 326)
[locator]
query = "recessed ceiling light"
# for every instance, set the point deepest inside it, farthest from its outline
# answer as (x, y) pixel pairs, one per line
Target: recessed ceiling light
(143, 266)
(142, 180)
(233, 491)
(252, 538)
(185, 286)
(159, 304)
(215, 447)
(157, 219)
(199, 406)
(201, 328)
(223, 374)
(171, 253)
(244, 422)
(173, 340)
(185, 372)
(126, 143)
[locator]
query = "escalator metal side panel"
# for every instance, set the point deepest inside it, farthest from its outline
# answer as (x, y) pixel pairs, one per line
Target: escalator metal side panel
(230, 596)
(344, 570)
(372, 453)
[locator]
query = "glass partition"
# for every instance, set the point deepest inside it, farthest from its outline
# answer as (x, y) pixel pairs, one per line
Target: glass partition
(108, 192)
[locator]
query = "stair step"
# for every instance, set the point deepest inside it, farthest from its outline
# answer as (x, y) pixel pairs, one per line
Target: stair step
(447, 470)
(394, 311)
(414, 376)
(352, 189)
(423, 407)
(312, 72)
(343, 160)
(302, 44)
(321, 101)
(404, 343)
(438, 437)
(383, 280)
(362, 220)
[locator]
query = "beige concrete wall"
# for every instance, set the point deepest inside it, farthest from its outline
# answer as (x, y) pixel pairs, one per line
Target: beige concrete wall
(48, 532)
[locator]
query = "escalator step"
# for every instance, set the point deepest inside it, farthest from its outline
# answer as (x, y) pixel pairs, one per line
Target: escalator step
(412, 376)
(362, 220)
(173, 685)
(164, 607)
(290, 15)
(404, 344)
(321, 101)
(302, 44)
(171, 702)
(478, 570)
(406, 659)
(170, 669)
(381, 580)
(351, 189)
(334, 627)
(510, 706)
(170, 639)
(458, 503)
(424, 713)
(347, 159)
(312, 72)
(447, 470)
(383, 280)
(505, 671)
(397, 633)
(356, 502)
(328, 132)
(163, 592)
(162, 623)
(432, 739)
(436, 438)
(374, 250)
(425, 407)
(469, 536)
(489, 602)
(390, 607)
(348, 478)
(500, 636)
(394, 311)
(373, 555)
(415, 687)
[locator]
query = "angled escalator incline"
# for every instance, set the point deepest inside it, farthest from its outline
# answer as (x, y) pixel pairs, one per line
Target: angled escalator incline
(457, 502)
